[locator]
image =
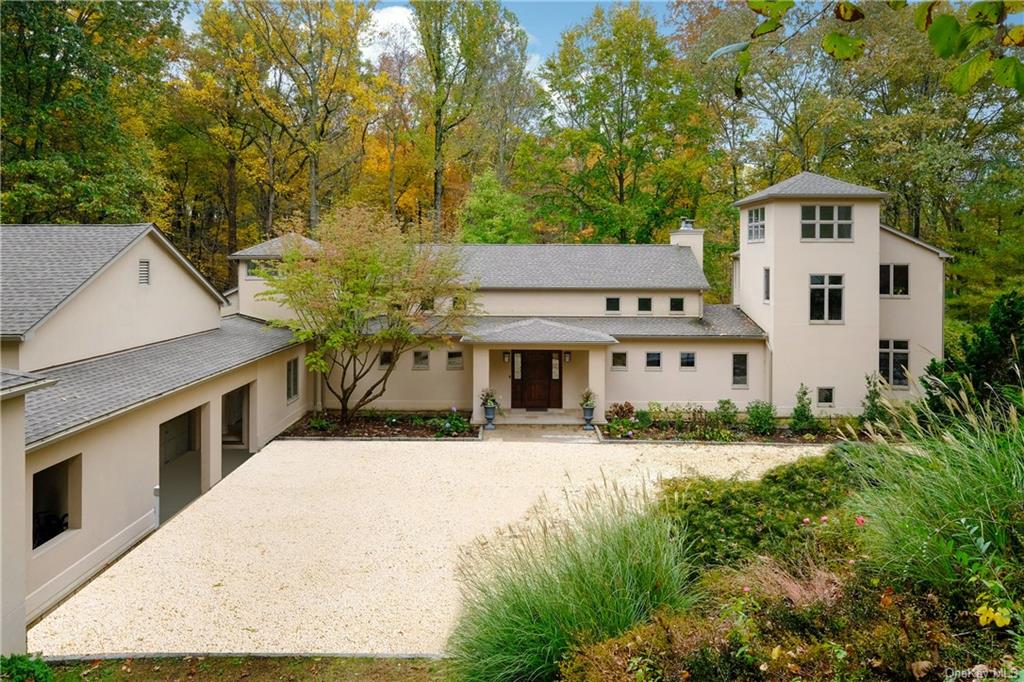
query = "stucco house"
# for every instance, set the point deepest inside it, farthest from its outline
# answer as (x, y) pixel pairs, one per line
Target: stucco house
(126, 374)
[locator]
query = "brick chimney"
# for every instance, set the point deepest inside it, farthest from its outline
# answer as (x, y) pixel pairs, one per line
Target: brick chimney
(687, 235)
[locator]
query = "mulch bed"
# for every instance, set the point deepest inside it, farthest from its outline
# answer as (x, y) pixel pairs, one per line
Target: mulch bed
(376, 425)
(782, 436)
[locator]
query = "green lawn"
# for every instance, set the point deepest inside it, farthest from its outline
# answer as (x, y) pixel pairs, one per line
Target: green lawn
(253, 669)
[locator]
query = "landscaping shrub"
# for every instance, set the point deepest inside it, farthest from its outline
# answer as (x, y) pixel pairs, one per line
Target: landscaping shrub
(21, 668)
(621, 411)
(704, 425)
(874, 410)
(529, 604)
(730, 519)
(761, 418)
(319, 422)
(643, 419)
(726, 413)
(802, 420)
(452, 424)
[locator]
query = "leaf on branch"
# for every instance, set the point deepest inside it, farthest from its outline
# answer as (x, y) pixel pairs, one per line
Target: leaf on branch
(1014, 36)
(963, 77)
(847, 11)
(842, 46)
(765, 27)
(985, 12)
(1009, 73)
(896, 4)
(728, 49)
(944, 35)
(773, 9)
(923, 15)
(974, 33)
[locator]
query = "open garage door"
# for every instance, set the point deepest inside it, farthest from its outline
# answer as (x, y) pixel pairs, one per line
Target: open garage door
(180, 463)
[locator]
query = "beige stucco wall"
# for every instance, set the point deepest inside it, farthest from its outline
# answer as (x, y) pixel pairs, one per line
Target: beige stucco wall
(115, 312)
(12, 525)
(917, 318)
(232, 306)
(754, 257)
(710, 382)
(120, 467)
(580, 303)
(248, 304)
(10, 354)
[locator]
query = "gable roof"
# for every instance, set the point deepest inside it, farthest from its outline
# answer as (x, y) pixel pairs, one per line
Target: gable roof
(273, 248)
(919, 242)
(44, 266)
(808, 185)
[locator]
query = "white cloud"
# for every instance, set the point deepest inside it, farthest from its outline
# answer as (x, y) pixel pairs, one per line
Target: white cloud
(386, 20)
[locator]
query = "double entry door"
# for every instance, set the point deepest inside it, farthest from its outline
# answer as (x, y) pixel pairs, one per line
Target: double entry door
(536, 379)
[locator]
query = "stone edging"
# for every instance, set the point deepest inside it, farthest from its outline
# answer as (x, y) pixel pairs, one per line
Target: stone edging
(178, 655)
(774, 444)
(467, 439)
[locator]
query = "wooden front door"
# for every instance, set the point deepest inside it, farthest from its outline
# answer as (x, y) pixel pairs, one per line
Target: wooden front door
(536, 379)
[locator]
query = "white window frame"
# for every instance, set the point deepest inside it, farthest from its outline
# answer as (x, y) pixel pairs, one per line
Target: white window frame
(455, 355)
(818, 221)
(827, 286)
(145, 272)
(618, 305)
(755, 225)
(732, 369)
(418, 366)
(887, 347)
(891, 275)
(766, 285)
(291, 380)
(682, 303)
(625, 357)
(683, 368)
(647, 360)
(650, 301)
(819, 401)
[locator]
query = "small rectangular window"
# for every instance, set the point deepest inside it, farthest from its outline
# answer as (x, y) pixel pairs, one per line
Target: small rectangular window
(675, 304)
(455, 359)
(144, 272)
(619, 360)
(687, 360)
(767, 284)
(826, 302)
(826, 396)
(56, 500)
(893, 280)
(611, 304)
(385, 358)
(643, 304)
(421, 359)
(893, 360)
(654, 361)
(755, 224)
(292, 390)
(826, 222)
(739, 369)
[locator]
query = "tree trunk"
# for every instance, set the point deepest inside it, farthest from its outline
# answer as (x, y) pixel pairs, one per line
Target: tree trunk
(231, 208)
(438, 169)
(314, 190)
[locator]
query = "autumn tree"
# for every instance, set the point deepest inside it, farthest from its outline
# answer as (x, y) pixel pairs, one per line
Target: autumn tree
(492, 214)
(369, 289)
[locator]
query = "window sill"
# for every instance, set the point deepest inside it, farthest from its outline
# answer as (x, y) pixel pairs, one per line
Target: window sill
(825, 405)
(454, 369)
(652, 369)
(755, 241)
(421, 369)
(828, 322)
(895, 296)
(613, 312)
(740, 387)
(825, 241)
(620, 369)
(55, 541)
(644, 313)
(687, 369)
(677, 313)
(291, 400)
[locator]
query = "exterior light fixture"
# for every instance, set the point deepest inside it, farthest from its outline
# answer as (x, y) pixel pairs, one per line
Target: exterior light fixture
(506, 356)
(568, 357)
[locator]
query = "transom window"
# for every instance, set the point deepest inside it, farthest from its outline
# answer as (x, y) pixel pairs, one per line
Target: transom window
(455, 359)
(293, 379)
(619, 360)
(893, 280)
(654, 361)
(687, 360)
(826, 222)
(893, 360)
(676, 304)
(827, 299)
(739, 369)
(826, 396)
(755, 224)
(421, 359)
(643, 304)
(611, 304)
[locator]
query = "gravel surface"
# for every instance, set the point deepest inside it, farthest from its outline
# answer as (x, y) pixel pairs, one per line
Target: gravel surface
(345, 547)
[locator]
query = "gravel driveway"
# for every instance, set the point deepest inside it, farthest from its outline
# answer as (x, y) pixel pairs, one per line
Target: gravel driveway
(344, 547)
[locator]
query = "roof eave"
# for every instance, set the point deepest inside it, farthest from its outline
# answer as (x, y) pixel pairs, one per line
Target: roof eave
(763, 199)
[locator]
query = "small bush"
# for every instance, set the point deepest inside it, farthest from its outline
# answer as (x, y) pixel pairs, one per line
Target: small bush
(621, 410)
(449, 426)
(320, 422)
(621, 428)
(704, 425)
(726, 413)
(761, 418)
(21, 668)
(527, 606)
(873, 406)
(802, 420)
(643, 419)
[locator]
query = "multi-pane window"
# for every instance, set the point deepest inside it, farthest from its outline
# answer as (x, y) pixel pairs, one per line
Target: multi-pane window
(654, 361)
(455, 359)
(385, 358)
(827, 298)
(893, 280)
(293, 379)
(755, 224)
(739, 369)
(893, 360)
(767, 285)
(826, 396)
(675, 304)
(618, 360)
(643, 304)
(687, 360)
(611, 304)
(421, 359)
(826, 222)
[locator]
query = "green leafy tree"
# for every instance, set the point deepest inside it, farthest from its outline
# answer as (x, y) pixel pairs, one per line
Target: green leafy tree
(369, 288)
(492, 214)
(78, 82)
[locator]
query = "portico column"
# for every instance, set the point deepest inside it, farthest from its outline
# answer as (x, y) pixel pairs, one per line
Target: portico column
(595, 375)
(481, 379)
(14, 538)
(210, 444)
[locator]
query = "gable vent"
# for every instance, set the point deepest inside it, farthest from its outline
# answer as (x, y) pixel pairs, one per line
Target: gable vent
(144, 272)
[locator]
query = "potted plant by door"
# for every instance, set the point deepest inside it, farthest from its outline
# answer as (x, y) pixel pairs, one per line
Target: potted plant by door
(587, 402)
(489, 402)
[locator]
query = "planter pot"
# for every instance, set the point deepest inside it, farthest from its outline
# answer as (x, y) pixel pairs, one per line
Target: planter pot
(588, 416)
(489, 411)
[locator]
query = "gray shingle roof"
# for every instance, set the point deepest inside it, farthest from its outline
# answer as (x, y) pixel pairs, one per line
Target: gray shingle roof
(582, 266)
(536, 330)
(41, 265)
(810, 186)
(11, 380)
(273, 248)
(90, 390)
(719, 321)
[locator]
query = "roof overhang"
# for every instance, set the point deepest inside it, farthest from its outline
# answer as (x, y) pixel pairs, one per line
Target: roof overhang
(22, 389)
(764, 199)
(534, 331)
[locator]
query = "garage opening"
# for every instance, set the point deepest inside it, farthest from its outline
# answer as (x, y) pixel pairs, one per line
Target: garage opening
(56, 500)
(235, 429)
(180, 463)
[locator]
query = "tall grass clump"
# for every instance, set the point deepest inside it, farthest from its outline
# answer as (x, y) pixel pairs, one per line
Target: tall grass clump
(943, 498)
(531, 602)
